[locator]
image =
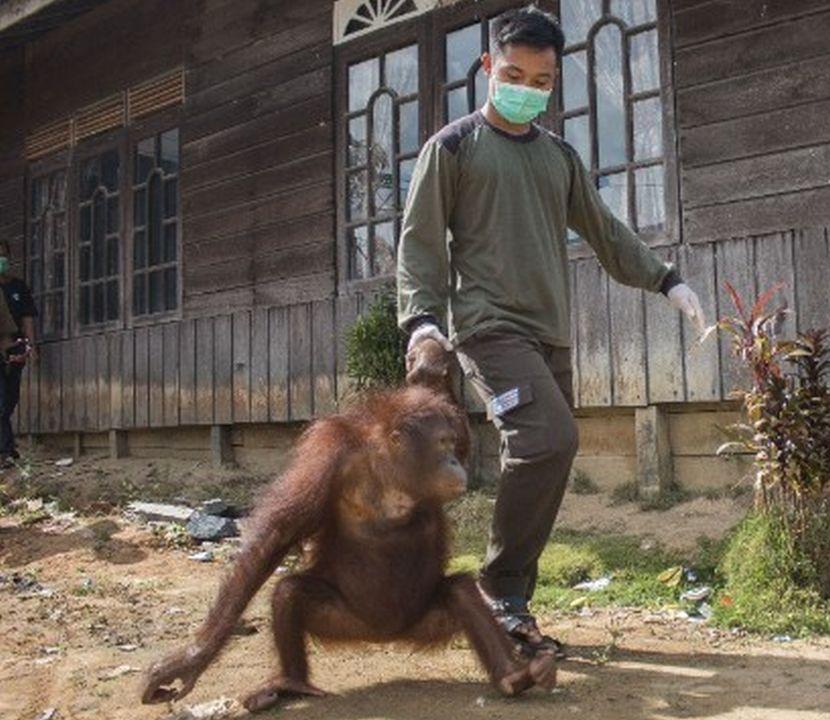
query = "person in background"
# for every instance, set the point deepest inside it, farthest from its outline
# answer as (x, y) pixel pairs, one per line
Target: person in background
(17, 345)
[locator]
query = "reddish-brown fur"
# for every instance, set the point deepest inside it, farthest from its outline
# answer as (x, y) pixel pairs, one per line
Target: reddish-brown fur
(366, 488)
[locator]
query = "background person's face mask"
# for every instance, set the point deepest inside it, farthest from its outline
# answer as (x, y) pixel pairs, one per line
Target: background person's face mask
(4, 264)
(518, 104)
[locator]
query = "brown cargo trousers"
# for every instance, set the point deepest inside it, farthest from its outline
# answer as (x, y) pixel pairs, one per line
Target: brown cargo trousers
(527, 388)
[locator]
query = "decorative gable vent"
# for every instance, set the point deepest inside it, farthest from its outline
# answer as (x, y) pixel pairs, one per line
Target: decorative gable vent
(358, 17)
(48, 139)
(155, 94)
(100, 117)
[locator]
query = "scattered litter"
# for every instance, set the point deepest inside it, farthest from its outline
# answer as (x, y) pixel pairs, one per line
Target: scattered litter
(578, 602)
(696, 594)
(690, 576)
(480, 701)
(672, 576)
(213, 710)
(173, 610)
(204, 556)
(214, 506)
(65, 462)
(161, 511)
(128, 648)
(50, 714)
(705, 610)
(118, 672)
(25, 585)
(648, 544)
(782, 639)
(45, 660)
(210, 527)
(54, 650)
(594, 585)
(87, 585)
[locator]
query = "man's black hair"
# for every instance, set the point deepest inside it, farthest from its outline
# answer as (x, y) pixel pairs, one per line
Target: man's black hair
(527, 26)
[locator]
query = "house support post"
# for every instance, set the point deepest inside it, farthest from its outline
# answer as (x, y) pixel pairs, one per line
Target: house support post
(221, 448)
(654, 461)
(118, 444)
(77, 444)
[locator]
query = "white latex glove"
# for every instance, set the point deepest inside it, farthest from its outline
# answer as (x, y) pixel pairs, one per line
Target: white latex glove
(683, 298)
(428, 330)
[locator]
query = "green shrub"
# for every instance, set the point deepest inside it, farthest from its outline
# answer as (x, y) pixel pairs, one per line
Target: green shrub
(375, 346)
(770, 584)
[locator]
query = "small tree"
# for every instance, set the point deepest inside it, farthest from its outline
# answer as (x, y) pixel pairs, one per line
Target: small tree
(375, 346)
(786, 423)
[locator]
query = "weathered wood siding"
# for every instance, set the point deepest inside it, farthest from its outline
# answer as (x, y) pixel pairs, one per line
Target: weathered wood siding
(258, 173)
(12, 166)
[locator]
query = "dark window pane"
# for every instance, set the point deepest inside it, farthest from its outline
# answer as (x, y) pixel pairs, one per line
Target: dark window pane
(363, 81)
(140, 294)
(577, 16)
(36, 240)
(140, 207)
(85, 262)
(578, 134)
(614, 191)
(651, 206)
(170, 249)
(456, 104)
(90, 177)
(85, 230)
(58, 270)
(385, 260)
(38, 198)
(171, 198)
(58, 190)
(59, 231)
(113, 215)
(575, 80)
(139, 249)
(463, 47)
(648, 129)
(144, 159)
(112, 256)
(405, 169)
(610, 97)
(154, 193)
(359, 252)
(357, 141)
(155, 291)
(481, 87)
(634, 12)
(83, 306)
(357, 190)
(110, 169)
(98, 315)
(35, 275)
(402, 70)
(170, 151)
(98, 234)
(408, 117)
(171, 298)
(112, 300)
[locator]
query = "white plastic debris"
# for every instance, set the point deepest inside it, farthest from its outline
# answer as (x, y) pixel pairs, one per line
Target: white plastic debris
(118, 672)
(204, 556)
(213, 710)
(65, 462)
(49, 714)
(161, 511)
(594, 585)
(782, 639)
(696, 594)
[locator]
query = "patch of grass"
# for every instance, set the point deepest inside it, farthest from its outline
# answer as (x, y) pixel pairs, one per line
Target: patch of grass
(769, 586)
(627, 492)
(582, 484)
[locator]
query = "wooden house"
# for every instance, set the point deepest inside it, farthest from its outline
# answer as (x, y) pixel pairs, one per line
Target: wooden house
(204, 193)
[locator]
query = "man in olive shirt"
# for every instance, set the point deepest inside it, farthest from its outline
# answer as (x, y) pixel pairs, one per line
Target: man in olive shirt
(497, 289)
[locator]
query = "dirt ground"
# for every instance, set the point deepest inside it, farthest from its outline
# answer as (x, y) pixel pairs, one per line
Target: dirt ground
(119, 600)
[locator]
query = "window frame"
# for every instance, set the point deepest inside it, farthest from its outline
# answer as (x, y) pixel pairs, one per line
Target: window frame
(429, 31)
(61, 160)
(123, 139)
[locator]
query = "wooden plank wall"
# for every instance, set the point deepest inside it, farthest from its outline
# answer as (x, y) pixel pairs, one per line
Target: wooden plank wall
(286, 363)
(753, 98)
(257, 156)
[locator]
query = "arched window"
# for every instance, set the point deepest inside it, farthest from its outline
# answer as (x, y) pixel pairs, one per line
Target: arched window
(612, 111)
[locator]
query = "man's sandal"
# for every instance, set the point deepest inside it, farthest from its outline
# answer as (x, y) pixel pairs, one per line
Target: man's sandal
(521, 626)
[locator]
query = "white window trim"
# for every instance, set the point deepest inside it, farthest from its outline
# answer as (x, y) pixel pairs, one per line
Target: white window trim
(345, 10)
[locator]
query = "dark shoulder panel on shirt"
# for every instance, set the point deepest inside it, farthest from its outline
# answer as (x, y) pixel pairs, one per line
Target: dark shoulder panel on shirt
(563, 145)
(451, 135)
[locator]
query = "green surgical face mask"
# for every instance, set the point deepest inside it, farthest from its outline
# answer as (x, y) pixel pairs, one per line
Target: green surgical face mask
(518, 104)
(4, 264)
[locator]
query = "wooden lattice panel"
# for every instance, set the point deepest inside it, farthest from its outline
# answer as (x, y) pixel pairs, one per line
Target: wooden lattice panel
(49, 138)
(155, 94)
(100, 117)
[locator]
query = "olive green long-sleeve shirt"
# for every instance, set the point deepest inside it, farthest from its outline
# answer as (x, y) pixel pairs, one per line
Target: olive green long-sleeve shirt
(507, 202)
